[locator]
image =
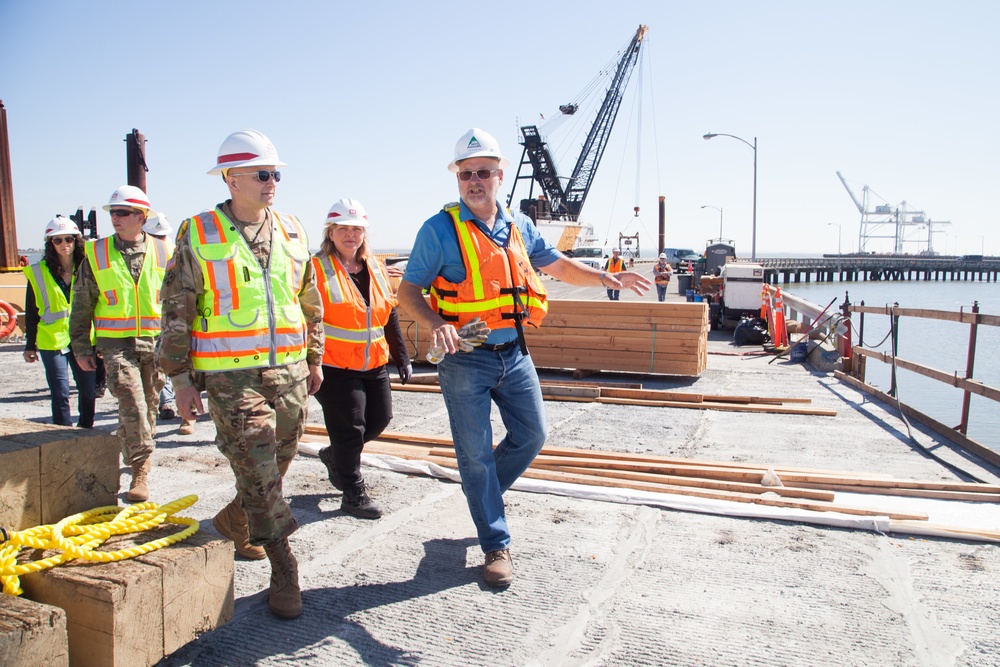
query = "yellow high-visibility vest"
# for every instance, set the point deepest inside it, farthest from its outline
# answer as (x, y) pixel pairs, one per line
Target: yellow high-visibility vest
(126, 309)
(53, 307)
(248, 317)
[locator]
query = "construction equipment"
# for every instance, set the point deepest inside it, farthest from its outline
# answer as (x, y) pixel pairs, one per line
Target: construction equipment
(899, 223)
(557, 202)
(739, 295)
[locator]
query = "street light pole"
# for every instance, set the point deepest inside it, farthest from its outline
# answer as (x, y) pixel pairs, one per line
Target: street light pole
(719, 209)
(838, 243)
(753, 146)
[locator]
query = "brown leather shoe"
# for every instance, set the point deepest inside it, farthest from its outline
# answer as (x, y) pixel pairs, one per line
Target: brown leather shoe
(498, 571)
(138, 490)
(284, 596)
(232, 524)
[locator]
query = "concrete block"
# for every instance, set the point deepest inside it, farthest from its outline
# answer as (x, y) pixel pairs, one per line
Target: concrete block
(197, 579)
(136, 611)
(77, 471)
(32, 634)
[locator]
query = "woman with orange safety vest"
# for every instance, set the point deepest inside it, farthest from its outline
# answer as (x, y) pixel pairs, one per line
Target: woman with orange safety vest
(46, 318)
(362, 330)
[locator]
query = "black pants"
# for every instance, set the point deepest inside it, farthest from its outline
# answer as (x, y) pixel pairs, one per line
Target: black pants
(357, 406)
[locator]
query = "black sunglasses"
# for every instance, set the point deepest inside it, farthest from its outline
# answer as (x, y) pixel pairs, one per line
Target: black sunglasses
(263, 175)
(481, 174)
(59, 240)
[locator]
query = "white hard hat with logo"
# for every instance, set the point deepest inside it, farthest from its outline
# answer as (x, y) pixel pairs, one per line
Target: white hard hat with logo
(663, 255)
(476, 143)
(246, 148)
(157, 225)
(60, 225)
(131, 196)
(347, 211)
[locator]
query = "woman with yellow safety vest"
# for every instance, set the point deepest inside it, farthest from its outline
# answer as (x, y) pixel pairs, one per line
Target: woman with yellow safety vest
(362, 330)
(46, 316)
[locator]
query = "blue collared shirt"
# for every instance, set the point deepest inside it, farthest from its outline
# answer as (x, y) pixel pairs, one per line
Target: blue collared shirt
(436, 251)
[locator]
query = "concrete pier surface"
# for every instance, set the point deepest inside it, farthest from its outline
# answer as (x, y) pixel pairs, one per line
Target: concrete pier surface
(597, 582)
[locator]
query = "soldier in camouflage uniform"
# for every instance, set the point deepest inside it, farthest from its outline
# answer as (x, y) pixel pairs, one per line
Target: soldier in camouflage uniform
(242, 318)
(116, 293)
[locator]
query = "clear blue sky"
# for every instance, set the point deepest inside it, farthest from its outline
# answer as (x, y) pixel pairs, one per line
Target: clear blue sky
(367, 100)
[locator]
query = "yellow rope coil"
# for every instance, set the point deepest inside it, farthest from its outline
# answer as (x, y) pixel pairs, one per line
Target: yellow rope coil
(77, 537)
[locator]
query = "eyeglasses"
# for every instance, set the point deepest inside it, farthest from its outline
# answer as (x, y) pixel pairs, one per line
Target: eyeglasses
(481, 174)
(263, 175)
(59, 240)
(122, 212)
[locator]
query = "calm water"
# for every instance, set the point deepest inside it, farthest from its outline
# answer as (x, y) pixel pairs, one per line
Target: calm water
(940, 345)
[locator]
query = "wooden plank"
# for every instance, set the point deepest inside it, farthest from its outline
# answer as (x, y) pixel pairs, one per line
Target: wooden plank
(594, 480)
(32, 634)
(744, 487)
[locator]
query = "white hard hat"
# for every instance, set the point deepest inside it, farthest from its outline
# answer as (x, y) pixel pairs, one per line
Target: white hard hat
(347, 211)
(61, 225)
(246, 148)
(663, 255)
(476, 143)
(129, 195)
(157, 225)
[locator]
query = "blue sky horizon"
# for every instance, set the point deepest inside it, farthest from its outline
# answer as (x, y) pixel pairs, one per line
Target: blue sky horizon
(368, 101)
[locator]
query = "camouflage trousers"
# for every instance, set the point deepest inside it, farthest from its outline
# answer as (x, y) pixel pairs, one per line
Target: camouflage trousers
(259, 416)
(135, 381)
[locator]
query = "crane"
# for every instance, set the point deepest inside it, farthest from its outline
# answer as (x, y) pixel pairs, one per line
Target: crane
(565, 203)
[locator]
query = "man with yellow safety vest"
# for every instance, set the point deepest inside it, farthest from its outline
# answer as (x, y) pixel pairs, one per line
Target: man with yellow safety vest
(117, 292)
(242, 319)
(478, 260)
(615, 264)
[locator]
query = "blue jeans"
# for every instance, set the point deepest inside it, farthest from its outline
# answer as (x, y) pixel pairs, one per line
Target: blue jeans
(661, 291)
(167, 396)
(57, 365)
(469, 382)
(613, 294)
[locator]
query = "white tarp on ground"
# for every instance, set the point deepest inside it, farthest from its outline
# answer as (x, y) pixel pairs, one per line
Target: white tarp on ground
(946, 518)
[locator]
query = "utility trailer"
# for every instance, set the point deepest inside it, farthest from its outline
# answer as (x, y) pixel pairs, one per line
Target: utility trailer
(739, 295)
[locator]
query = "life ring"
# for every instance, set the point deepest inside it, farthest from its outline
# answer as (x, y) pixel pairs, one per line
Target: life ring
(22, 260)
(7, 328)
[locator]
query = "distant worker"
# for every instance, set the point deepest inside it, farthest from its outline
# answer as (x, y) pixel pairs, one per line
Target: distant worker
(661, 276)
(615, 264)
(160, 228)
(362, 330)
(242, 319)
(47, 302)
(116, 294)
(477, 259)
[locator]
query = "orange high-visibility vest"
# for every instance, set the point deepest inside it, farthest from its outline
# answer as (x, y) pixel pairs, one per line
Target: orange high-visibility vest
(355, 330)
(500, 285)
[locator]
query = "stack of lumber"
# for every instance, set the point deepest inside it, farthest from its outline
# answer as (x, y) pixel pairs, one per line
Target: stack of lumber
(631, 336)
(800, 488)
(622, 394)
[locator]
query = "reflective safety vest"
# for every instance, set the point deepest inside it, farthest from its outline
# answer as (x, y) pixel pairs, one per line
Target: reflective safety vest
(355, 331)
(126, 309)
(53, 307)
(500, 285)
(616, 267)
(248, 317)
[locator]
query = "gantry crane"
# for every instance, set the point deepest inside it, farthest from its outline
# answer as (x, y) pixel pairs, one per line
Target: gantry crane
(566, 203)
(904, 224)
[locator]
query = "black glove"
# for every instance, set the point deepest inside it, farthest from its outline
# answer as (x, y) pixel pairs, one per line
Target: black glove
(405, 372)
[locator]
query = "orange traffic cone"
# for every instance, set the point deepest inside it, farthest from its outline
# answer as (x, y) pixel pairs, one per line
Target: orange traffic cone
(780, 337)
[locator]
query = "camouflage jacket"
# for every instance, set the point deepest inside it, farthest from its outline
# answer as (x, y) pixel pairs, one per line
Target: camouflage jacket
(183, 282)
